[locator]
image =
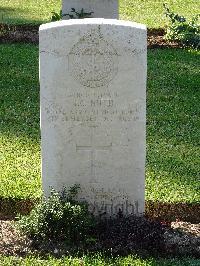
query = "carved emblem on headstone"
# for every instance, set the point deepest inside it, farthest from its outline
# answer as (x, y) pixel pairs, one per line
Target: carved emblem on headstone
(93, 61)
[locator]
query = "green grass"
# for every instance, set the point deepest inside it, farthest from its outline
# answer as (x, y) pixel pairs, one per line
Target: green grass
(172, 171)
(173, 117)
(149, 12)
(96, 260)
(27, 11)
(19, 127)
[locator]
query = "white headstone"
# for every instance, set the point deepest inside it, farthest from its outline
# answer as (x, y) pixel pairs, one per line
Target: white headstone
(93, 83)
(100, 8)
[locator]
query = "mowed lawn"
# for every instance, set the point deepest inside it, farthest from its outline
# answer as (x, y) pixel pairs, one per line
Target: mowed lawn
(149, 12)
(97, 260)
(172, 169)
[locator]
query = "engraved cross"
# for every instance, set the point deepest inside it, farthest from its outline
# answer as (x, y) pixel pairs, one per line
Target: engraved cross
(93, 149)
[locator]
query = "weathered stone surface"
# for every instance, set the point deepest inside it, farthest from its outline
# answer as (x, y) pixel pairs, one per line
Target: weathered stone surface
(100, 8)
(93, 83)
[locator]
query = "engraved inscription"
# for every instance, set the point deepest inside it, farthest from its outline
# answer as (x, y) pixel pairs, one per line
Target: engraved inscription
(93, 61)
(94, 108)
(93, 149)
(109, 202)
(114, 207)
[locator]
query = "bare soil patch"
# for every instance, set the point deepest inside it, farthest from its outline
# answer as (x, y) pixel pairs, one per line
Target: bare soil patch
(16, 33)
(178, 238)
(168, 212)
(29, 34)
(11, 242)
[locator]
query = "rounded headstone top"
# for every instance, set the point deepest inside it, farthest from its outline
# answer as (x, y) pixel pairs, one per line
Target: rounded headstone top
(92, 21)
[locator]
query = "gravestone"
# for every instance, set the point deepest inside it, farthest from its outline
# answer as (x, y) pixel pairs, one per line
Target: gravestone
(93, 83)
(100, 8)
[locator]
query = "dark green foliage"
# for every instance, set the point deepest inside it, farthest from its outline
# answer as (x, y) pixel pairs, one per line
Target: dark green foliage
(186, 32)
(75, 14)
(58, 217)
(72, 15)
(56, 16)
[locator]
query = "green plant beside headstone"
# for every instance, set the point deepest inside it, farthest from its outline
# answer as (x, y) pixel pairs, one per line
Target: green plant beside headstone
(58, 217)
(182, 30)
(72, 15)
